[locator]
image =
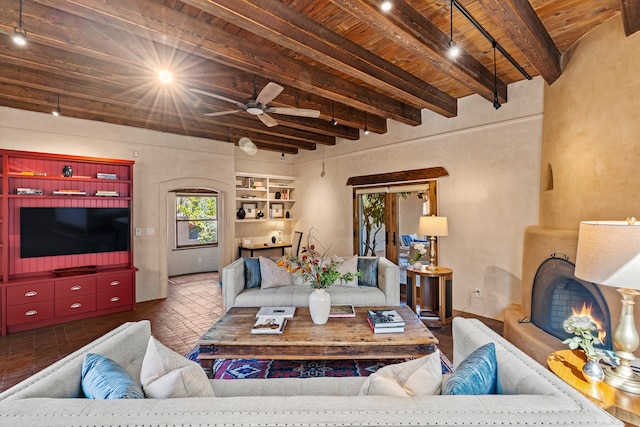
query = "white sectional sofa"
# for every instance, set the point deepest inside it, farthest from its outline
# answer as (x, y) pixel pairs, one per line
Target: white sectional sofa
(237, 294)
(532, 395)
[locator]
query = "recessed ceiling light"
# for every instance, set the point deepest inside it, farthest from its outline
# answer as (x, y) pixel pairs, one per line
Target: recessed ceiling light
(165, 76)
(386, 6)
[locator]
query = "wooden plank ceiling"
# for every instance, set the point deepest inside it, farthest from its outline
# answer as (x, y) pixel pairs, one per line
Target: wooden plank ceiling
(345, 59)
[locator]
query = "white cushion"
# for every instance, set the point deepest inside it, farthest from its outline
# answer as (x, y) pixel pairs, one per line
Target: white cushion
(349, 265)
(273, 276)
(166, 374)
(418, 377)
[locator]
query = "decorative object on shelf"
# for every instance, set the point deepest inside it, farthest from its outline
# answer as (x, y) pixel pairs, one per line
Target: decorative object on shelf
(67, 171)
(250, 210)
(241, 213)
(260, 215)
(583, 328)
(320, 272)
(433, 226)
(278, 195)
(287, 215)
(608, 254)
(276, 210)
(273, 239)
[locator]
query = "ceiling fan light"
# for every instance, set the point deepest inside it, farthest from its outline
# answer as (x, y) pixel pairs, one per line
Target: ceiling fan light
(19, 36)
(256, 111)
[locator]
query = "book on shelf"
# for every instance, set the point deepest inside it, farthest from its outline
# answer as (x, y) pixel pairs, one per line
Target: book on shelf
(28, 173)
(103, 175)
(107, 193)
(388, 318)
(269, 325)
(342, 310)
(70, 192)
(286, 312)
(384, 329)
(428, 315)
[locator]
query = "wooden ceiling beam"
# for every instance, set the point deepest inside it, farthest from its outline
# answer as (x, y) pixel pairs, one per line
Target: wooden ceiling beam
(189, 39)
(630, 16)
(415, 33)
(523, 26)
(275, 21)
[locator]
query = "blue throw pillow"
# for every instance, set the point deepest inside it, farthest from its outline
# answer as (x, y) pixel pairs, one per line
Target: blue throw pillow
(369, 268)
(102, 378)
(252, 277)
(406, 239)
(477, 374)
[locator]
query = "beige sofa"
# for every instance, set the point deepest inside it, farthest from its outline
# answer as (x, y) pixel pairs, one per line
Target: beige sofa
(532, 395)
(236, 294)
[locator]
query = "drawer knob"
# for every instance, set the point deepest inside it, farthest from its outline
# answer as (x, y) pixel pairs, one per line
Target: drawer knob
(114, 283)
(31, 313)
(31, 294)
(76, 305)
(115, 299)
(76, 288)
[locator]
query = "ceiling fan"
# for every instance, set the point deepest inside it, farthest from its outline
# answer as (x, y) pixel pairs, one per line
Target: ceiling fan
(258, 106)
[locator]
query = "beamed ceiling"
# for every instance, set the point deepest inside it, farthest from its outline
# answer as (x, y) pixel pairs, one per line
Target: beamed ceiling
(343, 58)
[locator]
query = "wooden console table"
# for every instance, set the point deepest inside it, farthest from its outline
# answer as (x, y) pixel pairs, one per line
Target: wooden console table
(263, 247)
(567, 364)
(435, 294)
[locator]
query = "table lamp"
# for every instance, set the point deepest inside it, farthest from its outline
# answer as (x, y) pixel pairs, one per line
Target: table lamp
(433, 226)
(609, 254)
(279, 228)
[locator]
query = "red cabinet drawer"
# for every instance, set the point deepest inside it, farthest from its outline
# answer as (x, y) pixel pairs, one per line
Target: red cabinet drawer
(75, 304)
(110, 282)
(28, 294)
(24, 313)
(76, 286)
(116, 298)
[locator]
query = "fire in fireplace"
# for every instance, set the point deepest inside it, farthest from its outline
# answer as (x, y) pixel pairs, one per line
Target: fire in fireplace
(558, 295)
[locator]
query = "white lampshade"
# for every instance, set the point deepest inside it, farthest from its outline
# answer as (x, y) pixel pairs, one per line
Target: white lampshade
(609, 253)
(433, 226)
(280, 225)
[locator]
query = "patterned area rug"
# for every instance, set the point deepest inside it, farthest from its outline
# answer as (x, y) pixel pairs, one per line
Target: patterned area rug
(231, 369)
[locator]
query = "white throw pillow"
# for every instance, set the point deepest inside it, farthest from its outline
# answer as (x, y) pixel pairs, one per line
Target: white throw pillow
(273, 276)
(418, 377)
(166, 374)
(349, 265)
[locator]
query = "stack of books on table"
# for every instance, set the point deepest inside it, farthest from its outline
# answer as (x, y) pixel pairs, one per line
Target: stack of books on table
(272, 320)
(385, 321)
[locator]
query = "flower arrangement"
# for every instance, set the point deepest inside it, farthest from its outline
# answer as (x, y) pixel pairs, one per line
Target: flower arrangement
(420, 249)
(582, 327)
(313, 266)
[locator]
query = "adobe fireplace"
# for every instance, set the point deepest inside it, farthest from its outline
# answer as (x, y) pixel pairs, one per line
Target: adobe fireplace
(557, 295)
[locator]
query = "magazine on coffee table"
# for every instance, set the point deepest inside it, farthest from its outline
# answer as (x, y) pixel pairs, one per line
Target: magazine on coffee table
(287, 312)
(342, 310)
(269, 325)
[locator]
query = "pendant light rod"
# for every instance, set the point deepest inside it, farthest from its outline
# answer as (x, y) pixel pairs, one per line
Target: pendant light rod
(491, 39)
(20, 18)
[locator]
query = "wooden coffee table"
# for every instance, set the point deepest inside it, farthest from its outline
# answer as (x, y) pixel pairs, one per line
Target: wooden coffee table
(339, 338)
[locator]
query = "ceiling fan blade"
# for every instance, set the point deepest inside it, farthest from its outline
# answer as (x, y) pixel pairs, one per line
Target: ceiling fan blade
(300, 112)
(267, 120)
(222, 113)
(269, 92)
(220, 97)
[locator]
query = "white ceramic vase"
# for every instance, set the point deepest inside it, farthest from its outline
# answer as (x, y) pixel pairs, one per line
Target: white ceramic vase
(319, 306)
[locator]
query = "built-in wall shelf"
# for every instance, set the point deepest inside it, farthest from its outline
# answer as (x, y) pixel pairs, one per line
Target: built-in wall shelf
(92, 192)
(271, 195)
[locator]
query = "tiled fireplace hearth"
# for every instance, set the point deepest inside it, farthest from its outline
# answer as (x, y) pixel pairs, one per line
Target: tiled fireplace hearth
(549, 293)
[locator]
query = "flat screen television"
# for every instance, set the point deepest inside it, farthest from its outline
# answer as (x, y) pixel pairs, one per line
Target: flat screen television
(71, 231)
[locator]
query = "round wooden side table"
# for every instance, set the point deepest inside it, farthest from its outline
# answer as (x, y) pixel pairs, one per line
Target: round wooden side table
(567, 364)
(435, 294)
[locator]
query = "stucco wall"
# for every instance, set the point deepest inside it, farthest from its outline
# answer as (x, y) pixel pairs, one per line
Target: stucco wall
(591, 132)
(489, 197)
